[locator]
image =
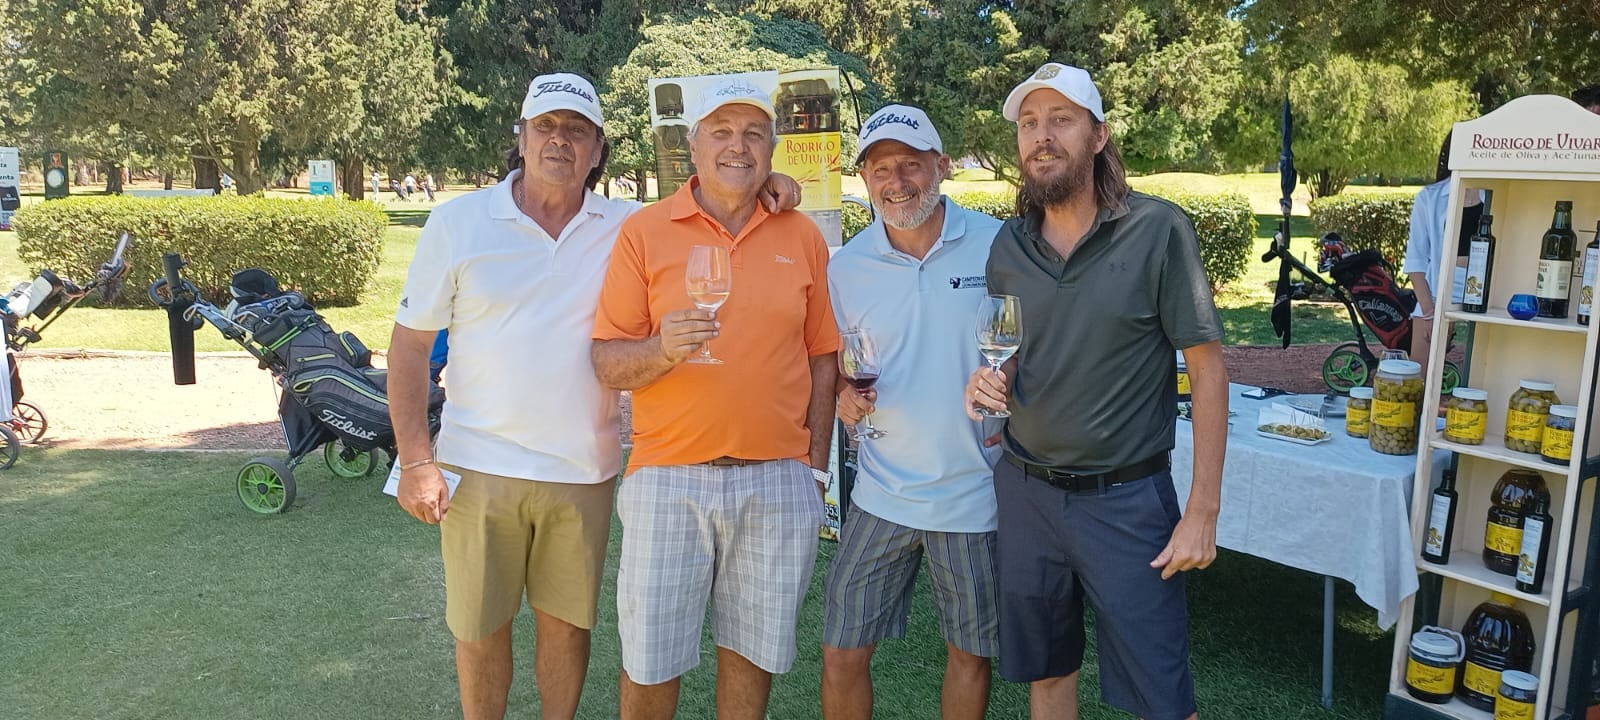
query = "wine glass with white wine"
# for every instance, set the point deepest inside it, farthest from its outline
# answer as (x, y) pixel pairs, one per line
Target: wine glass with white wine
(708, 279)
(999, 336)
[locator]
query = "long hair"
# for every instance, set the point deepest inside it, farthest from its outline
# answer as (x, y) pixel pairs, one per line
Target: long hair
(1110, 180)
(1443, 170)
(513, 161)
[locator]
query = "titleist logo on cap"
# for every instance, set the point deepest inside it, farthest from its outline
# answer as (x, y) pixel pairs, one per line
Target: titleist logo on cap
(896, 118)
(561, 86)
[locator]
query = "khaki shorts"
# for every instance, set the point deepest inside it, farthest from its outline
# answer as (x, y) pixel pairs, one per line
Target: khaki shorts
(503, 536)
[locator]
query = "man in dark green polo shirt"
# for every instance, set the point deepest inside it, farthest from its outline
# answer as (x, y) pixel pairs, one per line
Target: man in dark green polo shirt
(1111, 287)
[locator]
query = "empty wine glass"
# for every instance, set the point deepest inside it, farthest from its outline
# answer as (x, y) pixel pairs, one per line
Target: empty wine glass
(858, 362)
(708, 279)
(999, 336)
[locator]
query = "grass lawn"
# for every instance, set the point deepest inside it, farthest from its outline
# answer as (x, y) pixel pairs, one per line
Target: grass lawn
(1245, 305)
(136, 586)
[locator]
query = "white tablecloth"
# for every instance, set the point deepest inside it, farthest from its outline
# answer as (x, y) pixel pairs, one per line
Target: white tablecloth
(1335, 509)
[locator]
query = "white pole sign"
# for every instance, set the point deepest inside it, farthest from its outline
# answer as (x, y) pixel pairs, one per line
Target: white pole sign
(322, 177)
(10, 185)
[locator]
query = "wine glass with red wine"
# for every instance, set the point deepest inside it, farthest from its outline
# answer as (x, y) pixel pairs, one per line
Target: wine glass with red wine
(858, 362)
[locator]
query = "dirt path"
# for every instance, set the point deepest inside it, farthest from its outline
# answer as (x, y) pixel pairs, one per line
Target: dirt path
(127, 400)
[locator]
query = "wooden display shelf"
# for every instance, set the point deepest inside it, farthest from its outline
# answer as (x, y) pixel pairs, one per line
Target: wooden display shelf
(1494, 448)
(1499, 316)
(1467, 567)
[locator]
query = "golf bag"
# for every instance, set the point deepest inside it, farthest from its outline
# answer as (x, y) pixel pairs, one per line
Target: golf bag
(1383, 305)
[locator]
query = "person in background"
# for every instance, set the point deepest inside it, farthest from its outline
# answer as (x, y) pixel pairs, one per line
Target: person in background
(377, 189)
(723, 496)
(1588, 97)
(1111, 285)
(910, 283)
(1428, 213)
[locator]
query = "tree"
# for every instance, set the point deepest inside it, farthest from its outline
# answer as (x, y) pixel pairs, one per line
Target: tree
(708, 43)
(1354, 117)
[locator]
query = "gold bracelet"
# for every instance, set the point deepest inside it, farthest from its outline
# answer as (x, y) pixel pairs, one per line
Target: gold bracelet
(416, 464)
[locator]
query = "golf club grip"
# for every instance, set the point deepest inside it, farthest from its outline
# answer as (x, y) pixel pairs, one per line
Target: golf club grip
(181, 334)
(171, 264)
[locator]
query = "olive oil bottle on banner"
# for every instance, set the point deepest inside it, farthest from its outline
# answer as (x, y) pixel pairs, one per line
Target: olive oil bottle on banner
(1480, 267)
(1535, 546)
(1591, 267)
(1499, 638)
(1555, 264)
(1441, 521)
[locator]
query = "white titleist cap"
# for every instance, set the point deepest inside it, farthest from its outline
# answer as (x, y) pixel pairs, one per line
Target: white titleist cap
(732, 90)
(1065, 79)
(562, 91)
(902, 123)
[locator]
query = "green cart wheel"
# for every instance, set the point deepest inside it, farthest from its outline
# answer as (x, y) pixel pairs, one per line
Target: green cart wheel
(28, 422)
(1344, 369)
(266, 485)
(358, 464)
(10, 448)
(1452, 377)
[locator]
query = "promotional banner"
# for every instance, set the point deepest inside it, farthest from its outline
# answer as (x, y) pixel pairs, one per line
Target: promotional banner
(808, 150)
(56, 185)
(321, 178)
(10, 185)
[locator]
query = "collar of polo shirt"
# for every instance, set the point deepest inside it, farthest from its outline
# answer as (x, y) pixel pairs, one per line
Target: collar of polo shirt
(955, 225)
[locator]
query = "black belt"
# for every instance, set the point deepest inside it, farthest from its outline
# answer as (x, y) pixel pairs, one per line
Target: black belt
(1075, 482)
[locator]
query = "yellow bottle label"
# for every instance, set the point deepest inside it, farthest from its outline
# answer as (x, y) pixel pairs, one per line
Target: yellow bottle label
(1394, 414)
(1481, 680)
(1512, 709)
(1356, 421)
(1183, 383)
(1464, 424)
(1525, 426)
(1557, 444)
(1438, 681)
(1503, 539)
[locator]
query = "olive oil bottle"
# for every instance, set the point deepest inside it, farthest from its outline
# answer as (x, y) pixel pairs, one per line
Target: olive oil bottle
(1591, 267)
(1535, 546)
(1555, 264)
(1510, 499)
(1480, 267)
(1499, 638)
(1441, 521)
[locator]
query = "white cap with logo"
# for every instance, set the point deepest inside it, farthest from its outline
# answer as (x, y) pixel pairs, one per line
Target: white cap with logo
(1070, 81)
(901, 123)
(731, 90)
(562, 91)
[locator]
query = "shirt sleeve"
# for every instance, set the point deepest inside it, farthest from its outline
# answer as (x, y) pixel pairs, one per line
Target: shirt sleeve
(1188, 311)
(1420, 243)
(822, 333)
(624, 311)
(430, 289)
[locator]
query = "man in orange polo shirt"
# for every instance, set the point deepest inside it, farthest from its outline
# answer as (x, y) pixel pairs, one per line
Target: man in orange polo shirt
(719, 499)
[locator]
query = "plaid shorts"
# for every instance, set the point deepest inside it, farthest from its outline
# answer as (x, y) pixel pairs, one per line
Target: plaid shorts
(743, 537)
(869, 585)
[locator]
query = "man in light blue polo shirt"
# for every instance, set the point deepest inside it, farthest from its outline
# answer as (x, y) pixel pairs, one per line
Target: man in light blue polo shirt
(912, 282)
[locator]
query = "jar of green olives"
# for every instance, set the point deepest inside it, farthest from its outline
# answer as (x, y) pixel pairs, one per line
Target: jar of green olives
(1527, 413)
(1358, 412)
(1467, 416)
(1556, 446)
(1396, 407)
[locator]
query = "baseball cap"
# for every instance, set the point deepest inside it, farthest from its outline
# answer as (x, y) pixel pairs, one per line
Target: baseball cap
(899, 122)
(731, 90)
(562, 91)
(1070, 81)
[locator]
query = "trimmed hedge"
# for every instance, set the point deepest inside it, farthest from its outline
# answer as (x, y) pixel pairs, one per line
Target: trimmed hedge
(1381, 221)
(327, 249)
(855, 219)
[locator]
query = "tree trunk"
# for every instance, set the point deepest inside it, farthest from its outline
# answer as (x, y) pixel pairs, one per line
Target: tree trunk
(83, 172)
(1325, 183)
(113, 179)
(641, 185)
(166, 181)
(353, 175)
(247, 167)
(206, 175)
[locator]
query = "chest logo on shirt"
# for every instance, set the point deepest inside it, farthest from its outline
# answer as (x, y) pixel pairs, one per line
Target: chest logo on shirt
(781, 260)
(962, 282)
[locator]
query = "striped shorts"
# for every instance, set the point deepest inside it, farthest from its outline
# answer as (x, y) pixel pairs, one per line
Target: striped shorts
(743, 537)
(869, 585)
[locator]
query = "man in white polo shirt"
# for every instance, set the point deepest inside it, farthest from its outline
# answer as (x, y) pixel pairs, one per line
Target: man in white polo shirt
(513, 272)
(912, 282)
